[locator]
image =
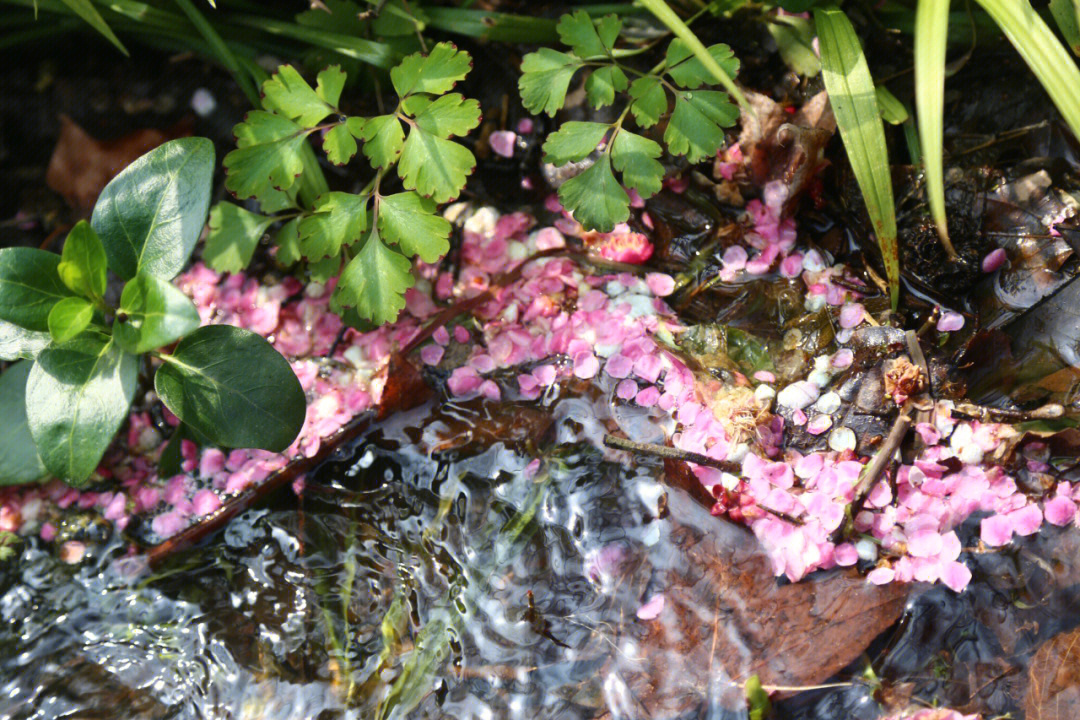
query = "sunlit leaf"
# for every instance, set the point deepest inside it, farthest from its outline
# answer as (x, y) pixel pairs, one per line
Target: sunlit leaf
(339, 144)
(635, 157)
(290, 95)
(573, 141)
(156, 314)
(595, 197)
(29, 286)
(19, 459)
(83, 264)
(695, 128)
(450, 115)
(435, 73)
(586, 38)
(603, 83)
(434, 166)
(649, 101)
(411, 221)
(268, 154)
(339, 219)
(234, 233)
(931, 38)
(375, 281)
(545, 78)
(69, 317)
(383, 139)
(687, 70)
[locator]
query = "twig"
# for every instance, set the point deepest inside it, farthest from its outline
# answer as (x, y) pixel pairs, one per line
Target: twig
(1050, 411)
(670, 453)
(881, 460)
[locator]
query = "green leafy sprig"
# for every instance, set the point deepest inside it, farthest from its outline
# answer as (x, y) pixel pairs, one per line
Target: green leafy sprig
(675, 90)
(366, 238)
(78, 356)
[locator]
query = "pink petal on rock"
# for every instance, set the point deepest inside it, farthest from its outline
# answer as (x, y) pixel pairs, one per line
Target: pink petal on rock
(996, 530)
(842, 358)
(881, 576)
(661, 284)
(648, 396)
(792, 265)
(1026, 520)
(950, 321)
(431, 354)
(619, 366)
(851, 315)
(925, 543)
(1060, 511)
(463, 380)
(955, 575)
(502, 142)
(845, 555)
(586, 365)
(626, 389)
(205, 502)
(652, 608)
(735, 257)
(994, 260)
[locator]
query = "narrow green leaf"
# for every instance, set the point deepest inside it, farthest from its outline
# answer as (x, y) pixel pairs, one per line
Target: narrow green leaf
(339, 219)
(17, 343)
(383, 139)
(77, 396)
(854, 101)
(1044, 54)
(687, 70)
(795, 45)
(1066, 14)
(674, 23)
(410, 221)
(19, 459)
(573, 141)
(83, 263)
(287, 93)
(268, 155)
(545, 78)
(150, 216)
(931, 39)
(375, 281)
(435, 73)
(891, 109)
(234, 233)
(157, 314)
(635, 157)
(595, 197)
(232, 386)
(434, 166)
(69, 317)
(649, 101)
(29, 286)
(86, 10)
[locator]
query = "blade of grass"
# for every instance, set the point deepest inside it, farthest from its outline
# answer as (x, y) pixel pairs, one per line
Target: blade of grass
(674, 23)
(854, 102)
(86, 10)
(221, 51)
(1067, 16)
(1043, 53)
(380, 55)
(496, 26)
(931, 34)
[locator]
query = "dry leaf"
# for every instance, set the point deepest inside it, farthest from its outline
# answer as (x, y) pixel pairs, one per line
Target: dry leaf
(81, 165)
(1054, 679)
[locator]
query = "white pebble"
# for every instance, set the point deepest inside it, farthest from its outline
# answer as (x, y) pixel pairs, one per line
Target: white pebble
(828, 403)
(819, 378)
(764, 395)
(814, 302)
(482, 222)
(203, 102)
(798, 395)
(867, 550)
(729, 481)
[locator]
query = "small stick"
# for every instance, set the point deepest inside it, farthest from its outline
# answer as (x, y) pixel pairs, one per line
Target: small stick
(1050, 411)
(670, 453)
(881, 460)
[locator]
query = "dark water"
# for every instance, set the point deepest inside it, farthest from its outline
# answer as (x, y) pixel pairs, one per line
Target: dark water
(492, 581)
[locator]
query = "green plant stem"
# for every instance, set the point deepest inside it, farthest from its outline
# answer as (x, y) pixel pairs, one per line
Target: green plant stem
(666, 15)
(931, 37)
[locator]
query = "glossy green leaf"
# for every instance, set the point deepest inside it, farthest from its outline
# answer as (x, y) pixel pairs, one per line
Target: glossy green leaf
(77, 396)
(268, 155)
(854, 102)
(150, 216)
(545, 78)
(687, 70)
(288, 94)
(603, 83)
(339, 219)
(435, 73)
(83, 263)
(330, 83)
(695, 128)
(232, 386)
(86, 10)
(931, 38)
(287, 240)
(1066, 14)
(157, 314)
(29, 286)
(595, 197)
(450, 115)
(69, 317)
(573, 141)
(19, 459)
(434, 166)
(375, 281)
(383, 139)
(339, 144)
(891, 109)
(411, 221)
(234, 233)
(649, 101)
(588, 39)
(17, 342)
(636, 158)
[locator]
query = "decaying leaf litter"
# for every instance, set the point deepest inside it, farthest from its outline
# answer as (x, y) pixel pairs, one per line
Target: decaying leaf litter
(489, 550)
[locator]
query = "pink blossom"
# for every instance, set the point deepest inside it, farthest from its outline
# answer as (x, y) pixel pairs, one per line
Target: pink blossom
(648, 396)
(950, 321)
(955, 575)
(48, 532)
(842, 358)
(845, 555)
(652, 608)
(205, 502)
(661, 284)
(490, 390)
(792, 265)
(502, 142)
(525, 126)
(441, 335)
(549, 238)
(213, 461)
(994, 260)
(735, 257)
(619, 366)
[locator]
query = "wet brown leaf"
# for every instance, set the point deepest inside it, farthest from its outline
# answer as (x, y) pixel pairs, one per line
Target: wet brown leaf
(1054, 679)
(81, 165)
(726, 618)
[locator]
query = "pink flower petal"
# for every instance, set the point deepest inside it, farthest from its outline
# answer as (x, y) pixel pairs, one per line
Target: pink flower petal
(735, 257)
(626, 389)
(431, 354)
(661, 284)
(205, 502)
(950, 321)
(994, 260)
(851, 315)
(652, 608)
(881, 576)
(996, 530)
(955, 575)
(1060, 511)
(502, 142)
(586, 365)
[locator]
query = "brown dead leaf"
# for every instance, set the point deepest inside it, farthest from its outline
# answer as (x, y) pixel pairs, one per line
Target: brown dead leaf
(1054, 679)
(81, 165)
(725, 618)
